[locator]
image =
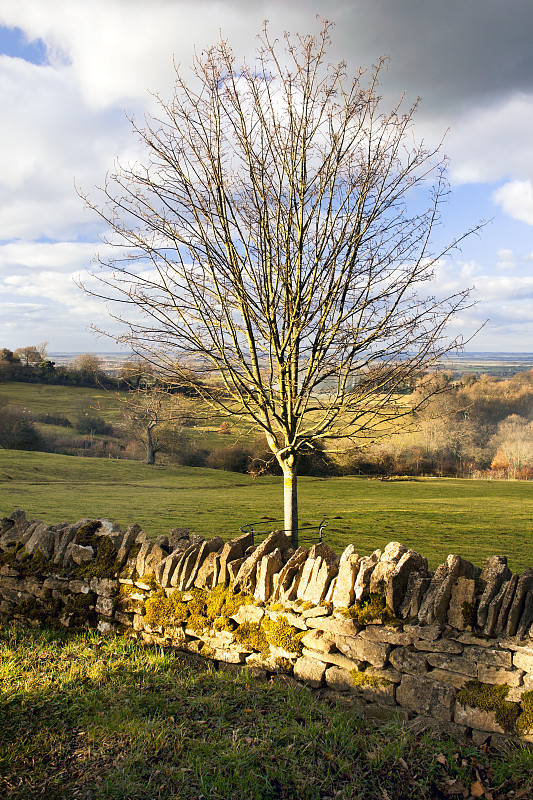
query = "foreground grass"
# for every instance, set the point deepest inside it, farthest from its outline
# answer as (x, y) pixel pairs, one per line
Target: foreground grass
(434, 516)
(84, 717)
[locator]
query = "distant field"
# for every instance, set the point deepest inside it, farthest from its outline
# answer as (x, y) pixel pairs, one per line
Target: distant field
(434, 516)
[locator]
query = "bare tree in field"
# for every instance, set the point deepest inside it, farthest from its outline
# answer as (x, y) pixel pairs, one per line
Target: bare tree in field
(150, 407)
(272, 252)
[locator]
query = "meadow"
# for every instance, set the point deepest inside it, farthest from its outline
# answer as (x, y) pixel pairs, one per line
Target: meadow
(434, 516)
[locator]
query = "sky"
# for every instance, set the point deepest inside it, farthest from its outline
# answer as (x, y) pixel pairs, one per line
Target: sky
(72, 74)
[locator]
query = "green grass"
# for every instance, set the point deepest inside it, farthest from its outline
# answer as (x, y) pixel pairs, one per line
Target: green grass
(63, 400)
(434, 516)
(84, 717)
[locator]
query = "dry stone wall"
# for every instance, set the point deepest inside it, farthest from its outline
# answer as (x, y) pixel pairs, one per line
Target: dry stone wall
(452, 647)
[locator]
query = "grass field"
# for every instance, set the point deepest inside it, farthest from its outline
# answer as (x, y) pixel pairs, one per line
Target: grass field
(434, 516)
(88, 718)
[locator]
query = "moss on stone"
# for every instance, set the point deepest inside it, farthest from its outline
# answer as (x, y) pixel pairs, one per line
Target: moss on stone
(525, 720)
(282, 634)
(251, 635)
(371, 609)
(224, 624)
(164, 611)
(103, 563)
(488, 697)
(362, 679)
(85, 535)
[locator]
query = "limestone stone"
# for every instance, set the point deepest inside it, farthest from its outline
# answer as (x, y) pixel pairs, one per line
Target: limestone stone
(128, 539)
(326, 568)
(248, 614)
(138, 622)
(499, 676)
(233, 550)
(338, 659)
(305, 577)
(106, 627)
(366, 568)
(107, 587)
(105, 606)
(233, 568)
(310, 670)
(387, 673)
(186, 566)
(494, 608)
(493, 574)
(14, 530)
(463, 666)
(376, 653)
(430, 633)
(315, 611)
(293, 619)
(344, 627)
(201, 555)
(79, 554)
(461, 601)
(409, 661)
(318, 640)
(380, 633)
(289, 576)
(506, 604)
(425, 696)
(177, 535)
(165, 569)
(526, 618)
(417, 586)
(77, 587)
(215, 544)
(489, 655)
(266, 569)
(344, 593)
(207, 577)
(524, 585)
(182, 556)
(331, 590)
(396, 583)
(523, 660)
(339, 679)
(440, 646)
(386, 564)
(348, 552)
(515, 693)
(436, 600)
(452, 678)
(246, 577)
(476, 718)
(42, 540)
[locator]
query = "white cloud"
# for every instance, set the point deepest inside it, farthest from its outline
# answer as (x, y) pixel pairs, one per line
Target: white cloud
(516, 199)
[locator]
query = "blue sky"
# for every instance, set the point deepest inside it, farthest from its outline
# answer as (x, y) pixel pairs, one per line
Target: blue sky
(71, 71)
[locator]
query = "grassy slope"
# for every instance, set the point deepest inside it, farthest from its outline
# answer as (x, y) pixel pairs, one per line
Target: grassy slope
(436, 517)
(84, 717)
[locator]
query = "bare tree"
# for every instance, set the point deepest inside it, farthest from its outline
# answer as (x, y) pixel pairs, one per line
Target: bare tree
(151, 407)
(272, 252)
(33, 354)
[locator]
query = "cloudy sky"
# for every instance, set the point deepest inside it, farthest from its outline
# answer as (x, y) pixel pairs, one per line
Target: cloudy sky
(71, 72)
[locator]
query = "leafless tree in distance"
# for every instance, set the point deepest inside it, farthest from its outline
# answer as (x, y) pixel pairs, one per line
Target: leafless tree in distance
(274, 253)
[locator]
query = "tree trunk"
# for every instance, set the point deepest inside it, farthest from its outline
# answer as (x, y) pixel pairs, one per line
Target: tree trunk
(150, 452)
(290, 499)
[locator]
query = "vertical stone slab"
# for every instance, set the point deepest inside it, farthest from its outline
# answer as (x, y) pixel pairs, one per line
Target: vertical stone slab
(344, 593)
(493, 574)
(396, 582)
(366, 567)
(288, 573)
(524, 585)
(506, 604)
(267, 568)
(460, 610)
